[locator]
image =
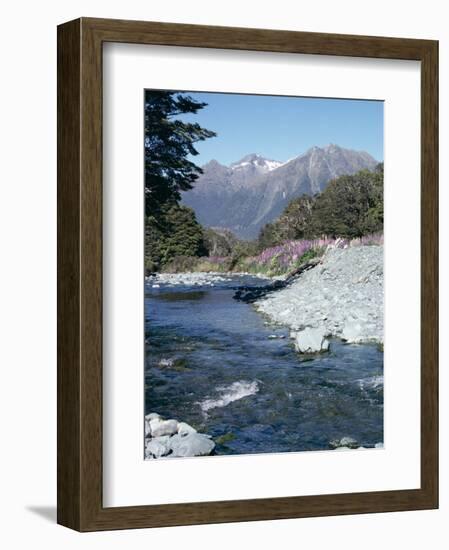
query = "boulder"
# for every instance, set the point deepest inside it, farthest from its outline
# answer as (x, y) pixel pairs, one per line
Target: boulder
(152, 416)
(147, 428)
(148, 419)
(185, 429)
(192, 444)
(311, 340)
(163, 427)
(158, 446)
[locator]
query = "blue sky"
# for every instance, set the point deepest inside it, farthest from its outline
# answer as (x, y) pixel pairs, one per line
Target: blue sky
(281, 128)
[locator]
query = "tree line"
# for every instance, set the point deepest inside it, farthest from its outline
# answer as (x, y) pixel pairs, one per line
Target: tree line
(351, 206)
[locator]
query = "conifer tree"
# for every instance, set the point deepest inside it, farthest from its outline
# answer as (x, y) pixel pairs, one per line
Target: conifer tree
(169, 140)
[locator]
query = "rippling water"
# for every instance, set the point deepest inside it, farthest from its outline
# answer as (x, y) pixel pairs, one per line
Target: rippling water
(215, 363)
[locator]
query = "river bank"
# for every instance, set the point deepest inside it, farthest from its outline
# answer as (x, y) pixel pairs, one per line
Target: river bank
(276, 261)
(341, 297)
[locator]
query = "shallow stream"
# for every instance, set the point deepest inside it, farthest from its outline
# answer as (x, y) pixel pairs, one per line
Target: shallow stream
(217, 364)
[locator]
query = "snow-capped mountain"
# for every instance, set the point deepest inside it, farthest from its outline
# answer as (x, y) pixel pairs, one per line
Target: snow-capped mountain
(255, 163)
(253, 191)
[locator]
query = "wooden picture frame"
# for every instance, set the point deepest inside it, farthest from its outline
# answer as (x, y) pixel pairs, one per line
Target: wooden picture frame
(80, 504)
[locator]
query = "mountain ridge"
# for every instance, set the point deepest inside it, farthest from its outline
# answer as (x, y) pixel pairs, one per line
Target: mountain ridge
(253, 191)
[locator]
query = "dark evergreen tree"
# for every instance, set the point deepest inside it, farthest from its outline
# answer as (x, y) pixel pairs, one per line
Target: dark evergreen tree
(168, 142)
(170, 229)
(185, 235)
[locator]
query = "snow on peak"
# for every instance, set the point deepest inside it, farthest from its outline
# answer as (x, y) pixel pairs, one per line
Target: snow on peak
(272, 164)
(260, 163)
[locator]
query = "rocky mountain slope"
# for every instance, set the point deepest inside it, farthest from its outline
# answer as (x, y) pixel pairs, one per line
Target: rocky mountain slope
(249, 193)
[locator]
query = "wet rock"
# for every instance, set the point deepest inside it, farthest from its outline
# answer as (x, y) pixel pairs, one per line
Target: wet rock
(166, 363)
(225, 438)
(193, 444)
(347, 442)
(176, 363)
(311, 340)
(250, 294)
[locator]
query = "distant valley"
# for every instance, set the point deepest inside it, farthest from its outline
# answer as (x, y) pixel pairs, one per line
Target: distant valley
(253, 191)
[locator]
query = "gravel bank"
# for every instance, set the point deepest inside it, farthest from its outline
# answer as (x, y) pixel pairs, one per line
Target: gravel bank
(195, 278)
(342, 296)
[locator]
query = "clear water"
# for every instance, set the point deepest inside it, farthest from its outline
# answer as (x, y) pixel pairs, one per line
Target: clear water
(210, 362)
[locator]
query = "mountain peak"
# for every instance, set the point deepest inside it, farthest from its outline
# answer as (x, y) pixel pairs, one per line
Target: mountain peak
(255, 160)
(332, 147)
(212, 164)
(250, 158)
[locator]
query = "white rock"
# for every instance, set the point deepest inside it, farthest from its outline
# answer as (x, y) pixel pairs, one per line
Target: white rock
(164, 362)
(193, 444)
(147, 428)
(352, 332)
(152, 416)
(158, 446)
(163, 427)
(311, 340)
(348, 442)
(148, 419)
(185, 429)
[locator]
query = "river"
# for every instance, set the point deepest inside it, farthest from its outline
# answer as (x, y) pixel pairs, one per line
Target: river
(217, 364)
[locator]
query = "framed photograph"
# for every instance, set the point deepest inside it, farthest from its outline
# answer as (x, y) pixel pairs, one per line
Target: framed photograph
(247, 274)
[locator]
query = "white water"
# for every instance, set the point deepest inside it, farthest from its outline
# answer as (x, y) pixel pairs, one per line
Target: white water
(228, 394)
(371, 382)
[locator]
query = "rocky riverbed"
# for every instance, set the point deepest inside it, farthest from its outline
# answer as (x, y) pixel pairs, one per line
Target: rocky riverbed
(195, 279)
(340, 297)
(168, 437)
